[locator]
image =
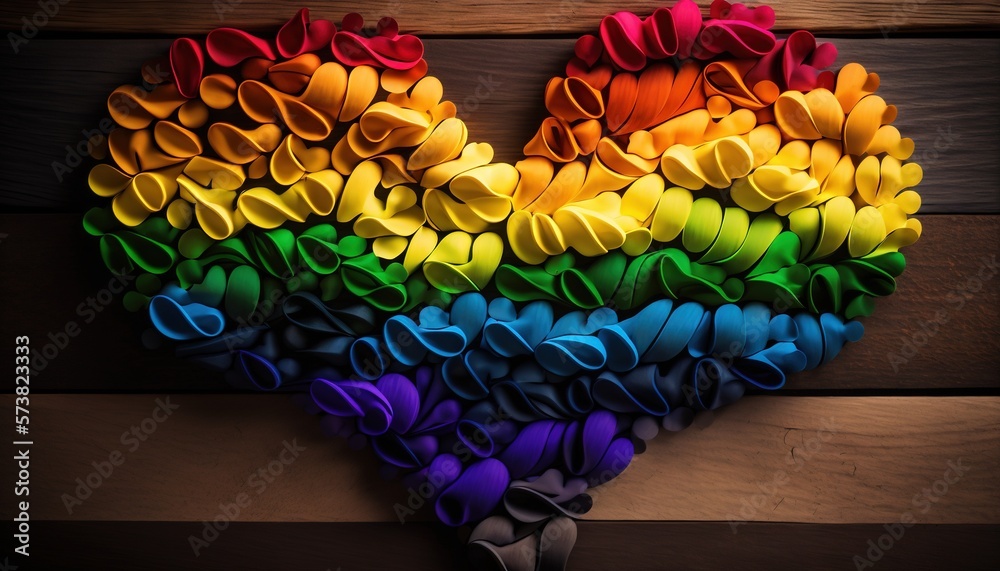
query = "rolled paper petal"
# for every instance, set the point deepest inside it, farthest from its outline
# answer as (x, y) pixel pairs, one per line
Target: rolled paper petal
(572, 98)
(570, 354)
(535, 448)
(768, 369)
(222, 344)
(596, 76)
(187, 63)
(484, 430)
(726, 79)
(309, 312)
(218, 91)
(657, 334)
(622, 35)
(494, 546)
(240, 146)
(441, 471)
(684, 326)
(258, 370)
(367, 358)
(614, 461)
(148, 246)
(550, 494)
(468, 313)
(299, 35)
(386, 49)
(584, 445)
(176, 317)
(797, 63)
(668, 296)
(438, 419)
(410, 343)
(229, 46)
(836, 334)
(528, 401)
(405, 452)
(768, 257)
(469, 375)
(714, 385)
(741, 38)
(354, 399)
(674, 31)
(517, 335)
(715, 163)
(293, 75)
(403, 399)
(523, 405)
(630, 394)
(728, 334)
(135, 108)
(762, 16)
(366, 278)
(474, 494)
(311, 115)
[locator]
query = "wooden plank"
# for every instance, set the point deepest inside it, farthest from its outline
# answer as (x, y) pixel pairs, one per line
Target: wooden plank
(428, 17)
(163, 546)
(60, 269)
(809, 459)
(942, 95)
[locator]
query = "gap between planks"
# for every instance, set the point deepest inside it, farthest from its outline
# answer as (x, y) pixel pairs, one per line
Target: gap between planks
(429, 17)
(165, 546)
(940, 330)
(497, 84)
(808, 459)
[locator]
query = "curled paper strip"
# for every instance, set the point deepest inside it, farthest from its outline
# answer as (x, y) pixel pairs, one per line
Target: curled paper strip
(719, 124)
(532, 365)
(775, 274)
(704, 210)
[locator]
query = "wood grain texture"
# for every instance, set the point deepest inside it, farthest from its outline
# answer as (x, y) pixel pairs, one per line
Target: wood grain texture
(430, 17)
(952, 268)
(882, 451)
(163, 546)
(944, 96)
(805, 459)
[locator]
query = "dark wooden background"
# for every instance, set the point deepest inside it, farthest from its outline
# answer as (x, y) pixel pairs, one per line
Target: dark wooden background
(894, 428)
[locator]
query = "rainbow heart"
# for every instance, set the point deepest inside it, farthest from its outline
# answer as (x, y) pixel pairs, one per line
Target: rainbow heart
(706, 209)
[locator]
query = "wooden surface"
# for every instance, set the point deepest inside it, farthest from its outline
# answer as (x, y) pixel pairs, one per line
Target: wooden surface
(894, 425)
(809, 458)
(953, 250)
(162, 546)
(432, 17)
(944, 98)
